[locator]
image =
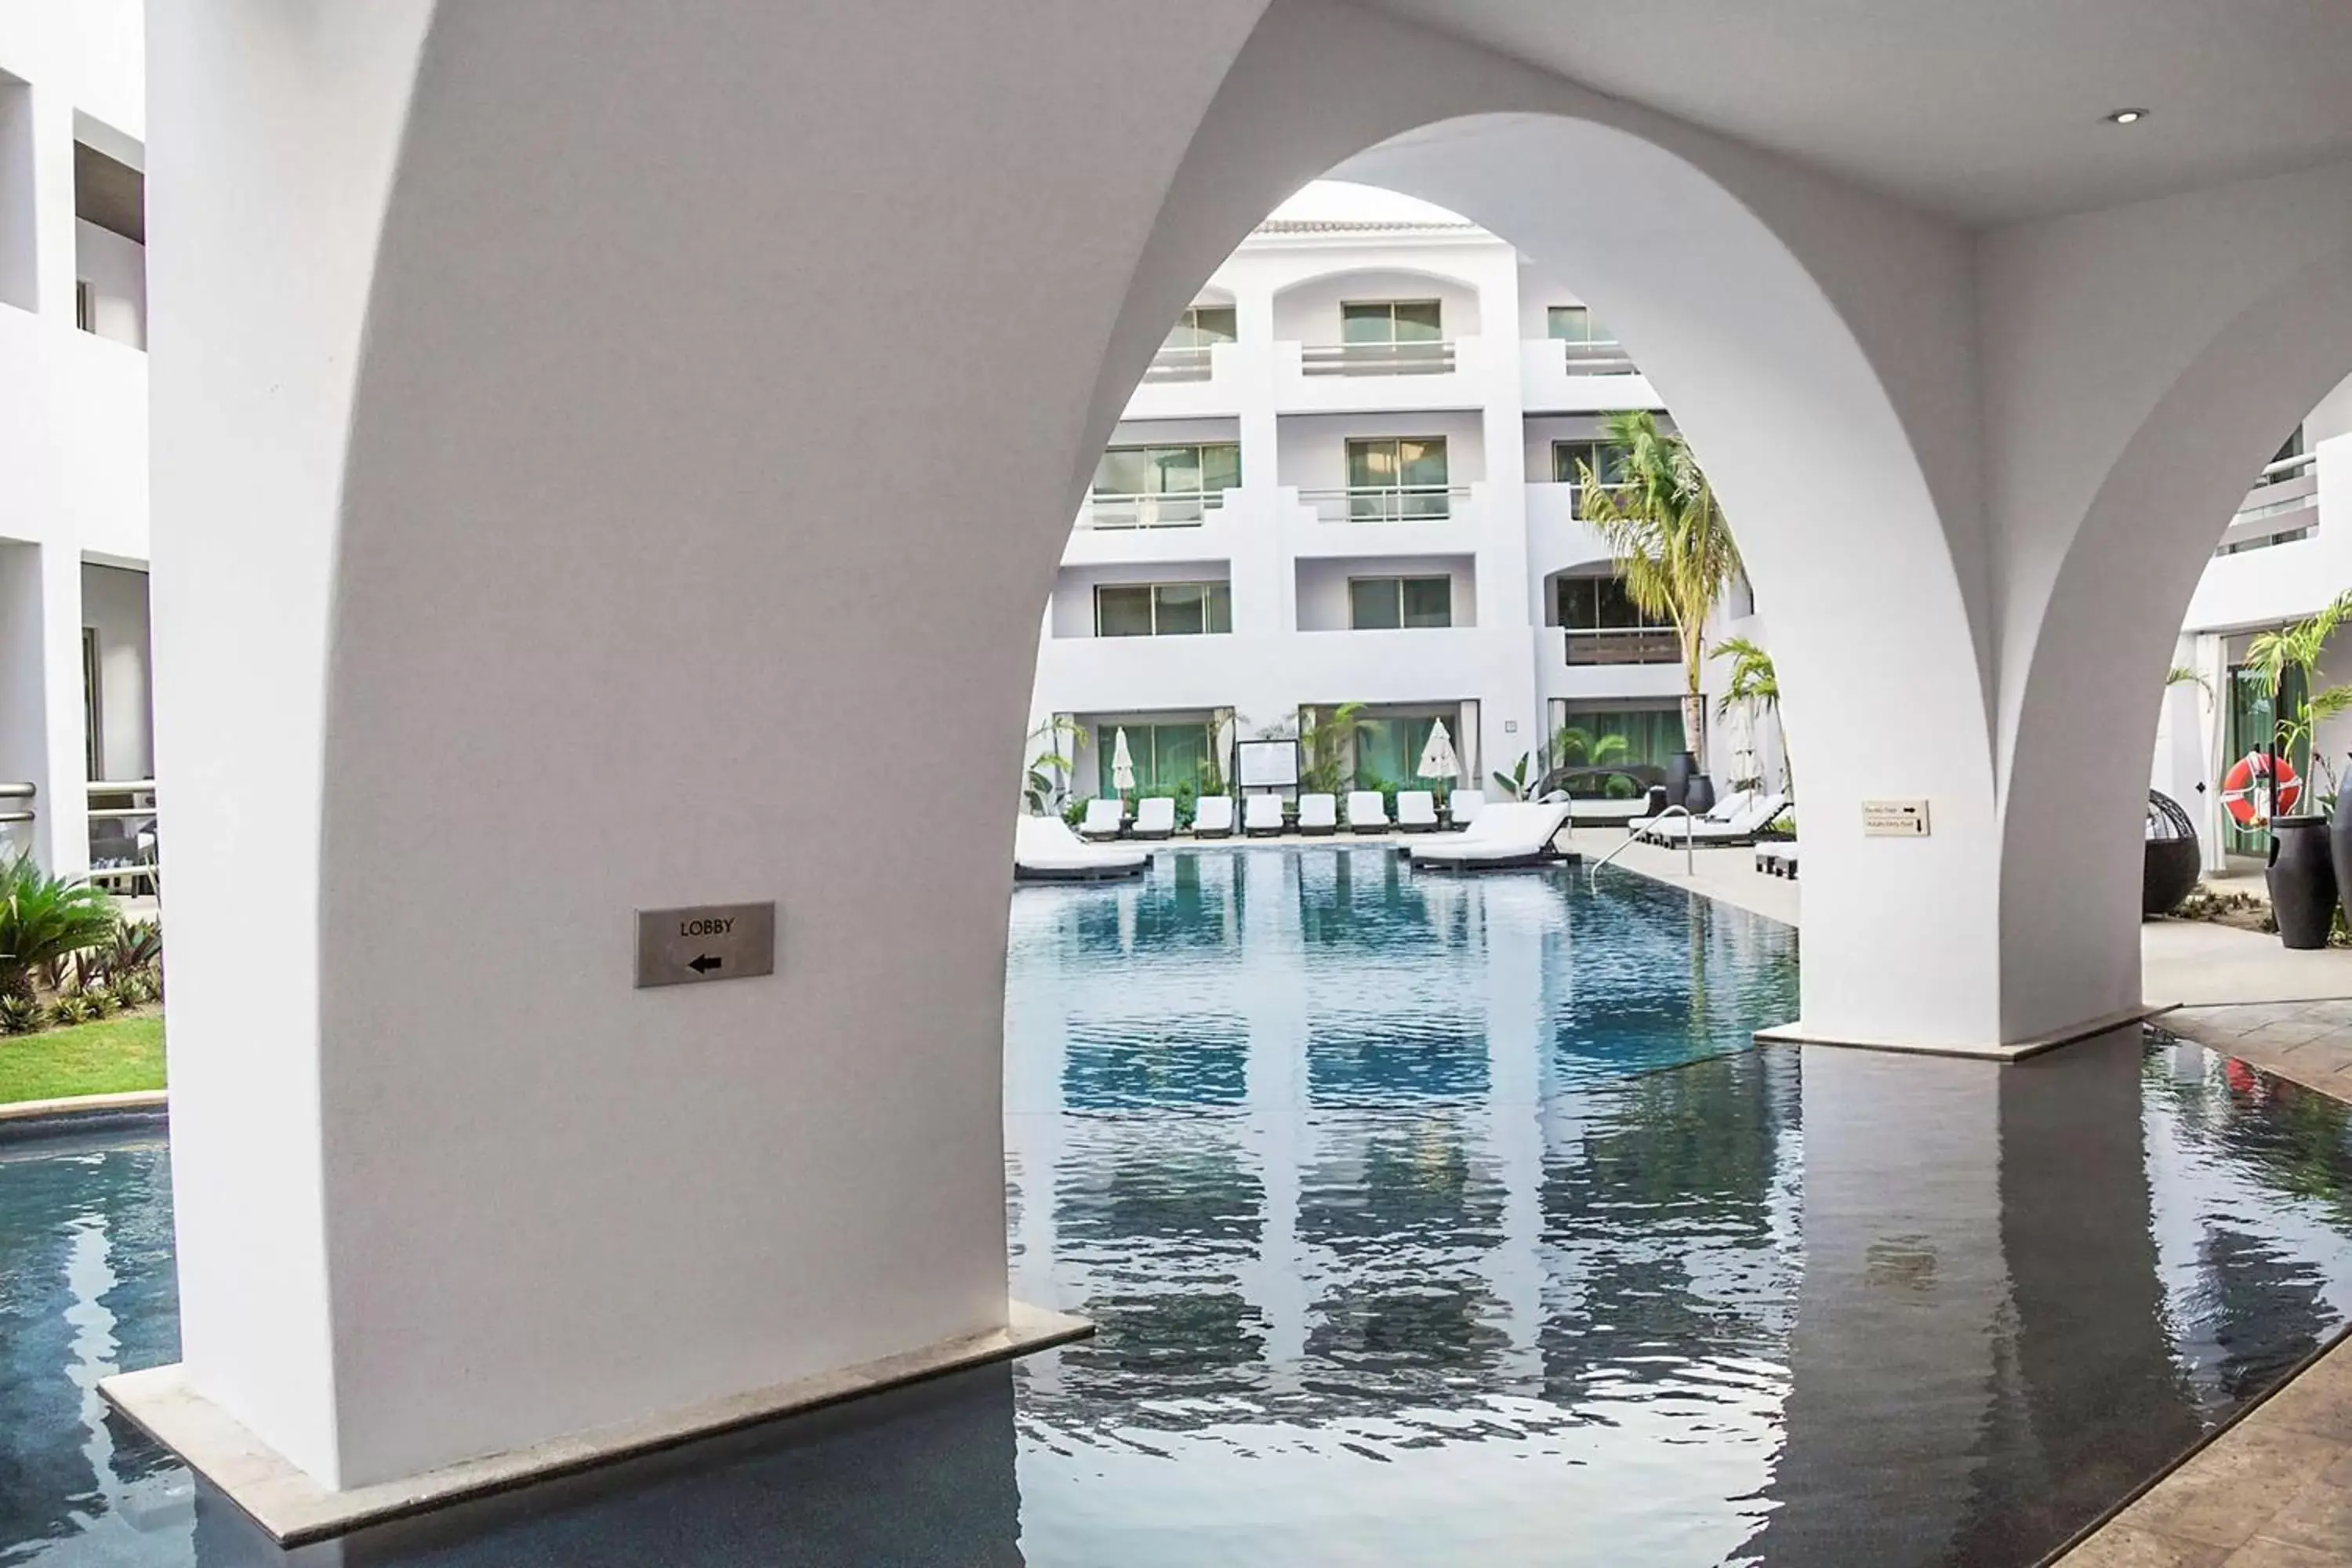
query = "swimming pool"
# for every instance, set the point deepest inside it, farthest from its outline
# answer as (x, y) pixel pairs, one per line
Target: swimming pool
(1425, 1220)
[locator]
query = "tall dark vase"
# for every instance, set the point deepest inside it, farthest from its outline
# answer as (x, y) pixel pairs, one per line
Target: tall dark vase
(2339, 847)
(1679, 768)
(2302, 876)
(1698, 795)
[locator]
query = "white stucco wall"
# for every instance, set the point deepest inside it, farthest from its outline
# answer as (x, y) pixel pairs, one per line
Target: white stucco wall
(1309, 312)
(114, 606)
(115, 269)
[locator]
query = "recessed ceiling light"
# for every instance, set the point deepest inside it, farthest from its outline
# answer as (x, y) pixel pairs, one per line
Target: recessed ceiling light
(2127, 117)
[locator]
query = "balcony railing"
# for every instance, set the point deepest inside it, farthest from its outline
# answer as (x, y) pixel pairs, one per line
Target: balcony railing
(1597, 359)
(1629, 644)
(1386, 503)
(1180, 364)
(2279, 508)
(1180, 509)
(1376, 359)
(123, 842)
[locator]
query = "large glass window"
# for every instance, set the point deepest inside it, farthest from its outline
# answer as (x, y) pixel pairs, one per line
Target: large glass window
(1398, 479)
(1392, 321)
(1203, 325)
(1652, 735)
(1575, 324)
(1602, 603)
(1393, 604)
(1163, 609)
(1388, 750)
(1152, 487)
(1164, 756)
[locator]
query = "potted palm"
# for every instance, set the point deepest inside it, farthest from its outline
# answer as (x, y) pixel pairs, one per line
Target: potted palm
(2308, 866)
(1674, 553)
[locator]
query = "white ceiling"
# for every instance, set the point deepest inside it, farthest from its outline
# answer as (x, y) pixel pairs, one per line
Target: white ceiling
(1987, 111)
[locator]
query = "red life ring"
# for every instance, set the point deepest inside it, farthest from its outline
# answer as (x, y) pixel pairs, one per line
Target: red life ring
(2245, 796)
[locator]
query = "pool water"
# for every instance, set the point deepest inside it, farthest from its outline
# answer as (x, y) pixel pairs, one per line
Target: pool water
(1425, 1220)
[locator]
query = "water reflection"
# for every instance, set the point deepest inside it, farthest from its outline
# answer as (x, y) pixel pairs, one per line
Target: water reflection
(1424, 1221)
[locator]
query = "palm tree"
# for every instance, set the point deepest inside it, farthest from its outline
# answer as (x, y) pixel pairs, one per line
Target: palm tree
(1674, 550)
(2273, 656)
(1755, 682)
(1042, 780)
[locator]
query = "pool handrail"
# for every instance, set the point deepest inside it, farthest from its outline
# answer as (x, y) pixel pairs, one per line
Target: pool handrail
(1690, 843)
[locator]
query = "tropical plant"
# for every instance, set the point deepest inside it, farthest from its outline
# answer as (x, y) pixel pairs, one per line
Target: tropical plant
(70, 1009)
(1042, 780)
(19, 1015)
(2181, 675)
(1328, 740)
(1674, 551)
(1517, 782)
(45, 920)
(2287, 657)
(126, 992)
(98, 1002)
(1755, 683)
(1572, 745)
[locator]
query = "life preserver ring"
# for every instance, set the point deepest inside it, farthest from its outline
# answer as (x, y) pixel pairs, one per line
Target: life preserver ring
(2246, 795)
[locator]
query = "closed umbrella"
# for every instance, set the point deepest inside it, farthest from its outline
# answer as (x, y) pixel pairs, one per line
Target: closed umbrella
(1122, 763)
(1437, 758)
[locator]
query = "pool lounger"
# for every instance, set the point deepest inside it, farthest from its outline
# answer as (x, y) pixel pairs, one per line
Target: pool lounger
(1416, 811)
(1155, 817)
(1046, 850)
(1778, 859)
(1366, 813)
(1747, 816)
(1318, 814)
(1105, 814)
(1517, 833)
(1213, 817)
(1262, 816)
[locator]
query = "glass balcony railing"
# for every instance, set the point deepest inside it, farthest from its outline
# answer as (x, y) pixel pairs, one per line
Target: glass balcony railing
(1386, 503)
(1158, 510)
(1376, 359)
(1596, 359)
(1173, 363)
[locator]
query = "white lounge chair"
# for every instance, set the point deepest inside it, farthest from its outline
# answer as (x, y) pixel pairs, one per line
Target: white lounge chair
(1046, 850)
(1262, 813)
(1416, 810)
(1367, 812)
(1318, 813)
(1777, 857)
(1213, 817)
(1105, 813)
(1750, 816)
(1515, 833)
(1462, 807)
(1155, 817)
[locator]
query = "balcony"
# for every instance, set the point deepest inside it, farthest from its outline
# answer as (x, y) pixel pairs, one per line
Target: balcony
(1193, 364)
(1386, 503)
(1630, 645)
(1164, 509)
(1557, 376)
(1190, 382)
(1376, 359)
(1357, 378)
(2283, 507)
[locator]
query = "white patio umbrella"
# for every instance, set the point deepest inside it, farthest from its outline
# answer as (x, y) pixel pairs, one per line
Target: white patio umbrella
(1122, 763)
(1437, 758)
(1745, 763)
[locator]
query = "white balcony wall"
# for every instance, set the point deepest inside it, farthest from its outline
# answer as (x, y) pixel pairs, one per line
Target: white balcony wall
(1312, 448)
(1309, 312)
(114, 271)
(1546, 386)
(2286, 581)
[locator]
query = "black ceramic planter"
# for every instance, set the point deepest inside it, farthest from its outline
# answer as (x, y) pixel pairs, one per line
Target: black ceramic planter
(2302, 876)
(2339, 844)
(1698, 795)
(1679, 769)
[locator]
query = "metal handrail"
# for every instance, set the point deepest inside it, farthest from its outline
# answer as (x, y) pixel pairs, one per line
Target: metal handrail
(2273, 472)
(1596, 359)
(1104, 509)
(1434, 358)
(1344, 498)
(1180, 362)
(1690, 847)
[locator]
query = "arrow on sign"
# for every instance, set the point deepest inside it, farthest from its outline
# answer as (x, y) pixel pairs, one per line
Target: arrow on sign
(704, 963)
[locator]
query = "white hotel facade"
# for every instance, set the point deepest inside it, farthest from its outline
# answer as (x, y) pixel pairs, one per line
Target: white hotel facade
(1348, 478)
(75, 705)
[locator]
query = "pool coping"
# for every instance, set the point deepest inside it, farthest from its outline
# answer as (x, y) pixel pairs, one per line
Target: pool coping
(1796, 1033)
(28, 1119)
(296, 1510)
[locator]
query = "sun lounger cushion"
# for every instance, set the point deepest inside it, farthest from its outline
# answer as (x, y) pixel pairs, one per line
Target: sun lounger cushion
(1318, 813)
(1212, 817)
(1104, 814)
(1416, 808)
(1366, 811)
(1155, 817)
(1262, 813)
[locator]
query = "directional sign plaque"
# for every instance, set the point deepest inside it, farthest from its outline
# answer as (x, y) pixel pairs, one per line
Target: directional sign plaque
(705, 942)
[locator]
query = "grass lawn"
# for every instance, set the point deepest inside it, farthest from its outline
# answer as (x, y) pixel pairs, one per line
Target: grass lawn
(113, 1056)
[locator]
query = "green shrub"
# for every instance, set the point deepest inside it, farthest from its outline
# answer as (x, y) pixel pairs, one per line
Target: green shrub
(20, 1014)
(126, 992)
(68, 1010)
(45, 920)
(98, 1002)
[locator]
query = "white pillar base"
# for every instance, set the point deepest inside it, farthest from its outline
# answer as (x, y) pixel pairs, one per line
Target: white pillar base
(295, 1509)
(1796, 1033)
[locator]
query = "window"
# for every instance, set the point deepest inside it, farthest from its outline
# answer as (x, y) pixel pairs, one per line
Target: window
(1164, 756)
(1398, 479)
(1393, 604)
(1202, 325)
(1163, 609)
(1388, 750)
(1602, 603)
(1570, 459)
(1652, 735)
(1575, 324)
(93, 714)
(85, 306)
(1152, 487)
(1392, 321)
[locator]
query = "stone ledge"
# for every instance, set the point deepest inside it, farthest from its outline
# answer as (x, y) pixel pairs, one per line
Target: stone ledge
(1796, 1033)
(82, 1105)
(295, 1509)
